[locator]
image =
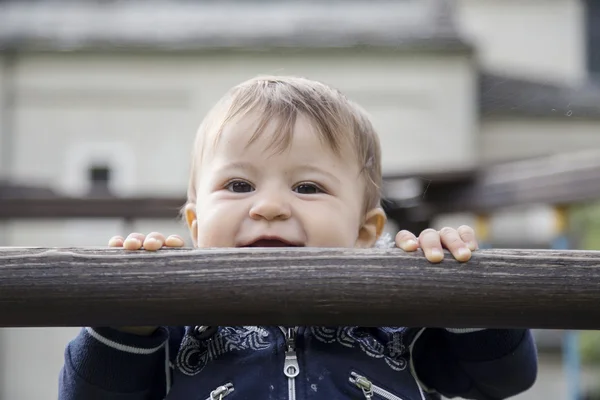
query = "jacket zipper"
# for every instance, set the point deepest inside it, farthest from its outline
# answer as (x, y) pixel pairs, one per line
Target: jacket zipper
(369, 389)
(221, 392)
(291, 368)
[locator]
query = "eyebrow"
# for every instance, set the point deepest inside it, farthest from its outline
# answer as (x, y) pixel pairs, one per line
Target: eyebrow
(239, 165)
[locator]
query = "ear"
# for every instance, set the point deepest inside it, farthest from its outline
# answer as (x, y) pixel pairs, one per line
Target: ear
(371, 229)
(192, 221)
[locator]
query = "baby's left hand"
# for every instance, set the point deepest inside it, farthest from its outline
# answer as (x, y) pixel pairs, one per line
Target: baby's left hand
(460, 242)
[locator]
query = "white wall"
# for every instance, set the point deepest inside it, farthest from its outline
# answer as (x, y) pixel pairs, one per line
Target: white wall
(504, 139)
(139, 113)
(3, 160)
(534, 38)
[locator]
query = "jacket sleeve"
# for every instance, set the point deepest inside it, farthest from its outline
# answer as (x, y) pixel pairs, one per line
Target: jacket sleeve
(105, 364)
(487, 364)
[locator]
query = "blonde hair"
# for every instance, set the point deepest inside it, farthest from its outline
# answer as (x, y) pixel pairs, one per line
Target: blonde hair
(283, 99)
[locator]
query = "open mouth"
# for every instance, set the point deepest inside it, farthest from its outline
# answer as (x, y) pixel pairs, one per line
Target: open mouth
(272, 243)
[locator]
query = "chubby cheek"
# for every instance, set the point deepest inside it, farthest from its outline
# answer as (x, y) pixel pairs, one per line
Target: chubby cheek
(332, 229)
(218, 228)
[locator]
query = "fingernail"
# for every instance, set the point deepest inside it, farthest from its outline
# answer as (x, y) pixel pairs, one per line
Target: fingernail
(151, 241)
(437, 253)
(411, 243)
(472, 246)
(464, 252)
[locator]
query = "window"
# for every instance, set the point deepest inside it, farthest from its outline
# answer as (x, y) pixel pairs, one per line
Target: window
(99, 177)
(89, 164)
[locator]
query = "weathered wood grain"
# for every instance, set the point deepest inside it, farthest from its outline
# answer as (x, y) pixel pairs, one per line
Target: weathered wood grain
(107, 287)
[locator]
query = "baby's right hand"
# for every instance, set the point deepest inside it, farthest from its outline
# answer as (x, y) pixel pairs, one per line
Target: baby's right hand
(151, 242)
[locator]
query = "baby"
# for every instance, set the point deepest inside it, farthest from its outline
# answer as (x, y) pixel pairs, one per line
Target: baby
(280, 162)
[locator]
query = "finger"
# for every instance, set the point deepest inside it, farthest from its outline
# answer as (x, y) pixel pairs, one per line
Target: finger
(116, 241)
(407, 241)
(467, 234)
(154, 241)
(174, 241)
(134, 241)
(429, 240)
(451, 240)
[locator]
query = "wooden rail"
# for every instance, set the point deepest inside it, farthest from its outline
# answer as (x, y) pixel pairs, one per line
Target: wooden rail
(371, 287)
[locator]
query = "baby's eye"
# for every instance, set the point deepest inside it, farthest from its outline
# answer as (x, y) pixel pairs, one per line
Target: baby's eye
(308, 188)
(239, 187)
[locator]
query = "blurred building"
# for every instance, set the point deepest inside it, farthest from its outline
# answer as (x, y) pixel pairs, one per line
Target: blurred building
(105, 97)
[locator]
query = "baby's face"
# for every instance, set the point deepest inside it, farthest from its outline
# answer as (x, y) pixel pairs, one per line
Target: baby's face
(255, 196)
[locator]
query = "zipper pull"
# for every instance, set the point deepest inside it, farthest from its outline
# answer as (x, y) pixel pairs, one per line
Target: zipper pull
(220, 392)
(362, 383)
(291, 368)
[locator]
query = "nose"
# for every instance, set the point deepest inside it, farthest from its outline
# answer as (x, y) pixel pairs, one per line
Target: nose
(271, 206)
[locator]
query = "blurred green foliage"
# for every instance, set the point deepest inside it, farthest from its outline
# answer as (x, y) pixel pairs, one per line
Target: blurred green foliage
(589, 345)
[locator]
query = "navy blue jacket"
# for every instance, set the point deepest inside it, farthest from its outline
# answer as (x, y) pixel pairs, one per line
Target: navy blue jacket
(270, 362)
